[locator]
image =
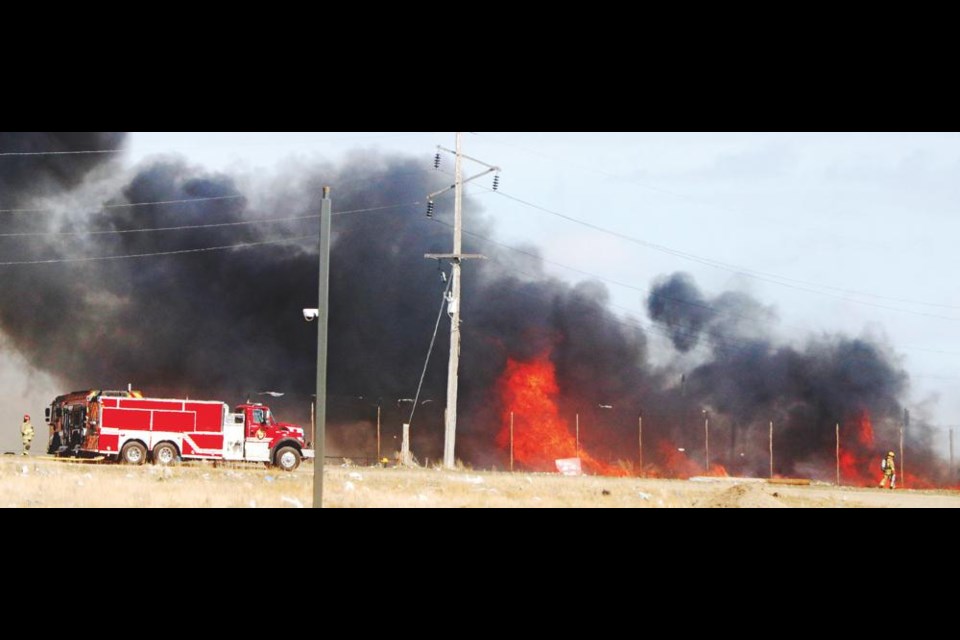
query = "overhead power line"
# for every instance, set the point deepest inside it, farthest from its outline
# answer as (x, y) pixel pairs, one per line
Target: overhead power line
(340, 183)
(195, 226)
(58, 153)
(750, 273)
(212, 146)
(717, 310)
(130, 204)
(760, 275)
(728, 348)
(158, 253)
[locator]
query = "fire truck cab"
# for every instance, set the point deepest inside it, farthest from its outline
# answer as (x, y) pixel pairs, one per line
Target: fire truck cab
(253, 434)
(125, 426)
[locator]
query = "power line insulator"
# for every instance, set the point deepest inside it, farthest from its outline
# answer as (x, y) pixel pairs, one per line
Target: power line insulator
(496, 182)
(430, 209)
(436, 161)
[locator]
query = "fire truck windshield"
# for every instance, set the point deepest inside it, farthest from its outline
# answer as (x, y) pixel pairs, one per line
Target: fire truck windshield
(262, 416)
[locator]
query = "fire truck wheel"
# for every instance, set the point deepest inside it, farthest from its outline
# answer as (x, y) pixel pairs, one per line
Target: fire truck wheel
(164, 454)
(133, 453)
(288, 458)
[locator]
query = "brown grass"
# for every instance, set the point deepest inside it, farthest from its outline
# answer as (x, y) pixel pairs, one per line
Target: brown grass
(37, 482)
(364, 487)
(40, 482)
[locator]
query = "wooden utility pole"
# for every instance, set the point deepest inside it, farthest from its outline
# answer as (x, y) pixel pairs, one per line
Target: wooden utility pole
(313, 423)
(450, 426)
(323, 316)
(405, 459)
(453, 298)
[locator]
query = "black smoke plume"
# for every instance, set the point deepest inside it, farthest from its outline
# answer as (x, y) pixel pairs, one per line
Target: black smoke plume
(28, 175)
(748, 381)
(226, 323)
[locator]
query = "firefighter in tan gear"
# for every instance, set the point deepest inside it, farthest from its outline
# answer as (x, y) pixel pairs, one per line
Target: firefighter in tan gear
(26, 432)
(889, 471)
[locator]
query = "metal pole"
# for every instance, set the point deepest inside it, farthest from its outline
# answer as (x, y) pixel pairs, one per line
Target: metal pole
(578, 436)
(706, 431)
(838, 454)
(903, 427)
(326, 219)
(313, 423)
(951, 455)
(640, 438)
(771, 448)
(903, 473)
(511, 441)
(450, 428)
(379, 458)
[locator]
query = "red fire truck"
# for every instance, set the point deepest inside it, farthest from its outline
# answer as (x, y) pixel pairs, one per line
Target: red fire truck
(125, 426)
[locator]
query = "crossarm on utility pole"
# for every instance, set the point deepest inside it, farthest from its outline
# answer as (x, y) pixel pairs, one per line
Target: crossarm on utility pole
(454, 256)
(453, 186)
(463, 155)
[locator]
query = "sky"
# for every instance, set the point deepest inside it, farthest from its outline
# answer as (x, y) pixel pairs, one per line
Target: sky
(837, 232)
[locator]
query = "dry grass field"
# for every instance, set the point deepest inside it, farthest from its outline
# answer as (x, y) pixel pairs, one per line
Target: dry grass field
(41, 482)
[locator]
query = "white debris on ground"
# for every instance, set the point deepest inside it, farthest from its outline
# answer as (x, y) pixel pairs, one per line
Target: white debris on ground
(292, 502)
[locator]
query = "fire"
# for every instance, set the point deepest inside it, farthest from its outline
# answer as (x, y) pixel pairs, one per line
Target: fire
(674, 463)
(859, 463)
(860, 458)
(529, 390)
(864, 429)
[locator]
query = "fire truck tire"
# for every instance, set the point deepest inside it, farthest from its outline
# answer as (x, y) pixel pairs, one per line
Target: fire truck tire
(165, 454)
(287, 458)
(133, 453)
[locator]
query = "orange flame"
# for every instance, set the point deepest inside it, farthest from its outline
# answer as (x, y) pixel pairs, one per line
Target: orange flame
(675, 463)
(860, 460)
(858, 466)
(528, 390)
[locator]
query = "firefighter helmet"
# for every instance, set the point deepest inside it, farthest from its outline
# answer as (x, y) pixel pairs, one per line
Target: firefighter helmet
(891, 454)
(25, 417)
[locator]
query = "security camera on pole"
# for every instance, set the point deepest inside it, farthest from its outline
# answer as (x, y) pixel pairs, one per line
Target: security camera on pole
(453, 299)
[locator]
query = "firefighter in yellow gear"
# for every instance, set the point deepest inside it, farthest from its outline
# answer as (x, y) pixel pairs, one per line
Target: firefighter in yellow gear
(26, 432)
(889, 471)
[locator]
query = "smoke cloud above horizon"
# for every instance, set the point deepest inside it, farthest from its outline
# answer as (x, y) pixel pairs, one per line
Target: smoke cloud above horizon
(225, 324)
